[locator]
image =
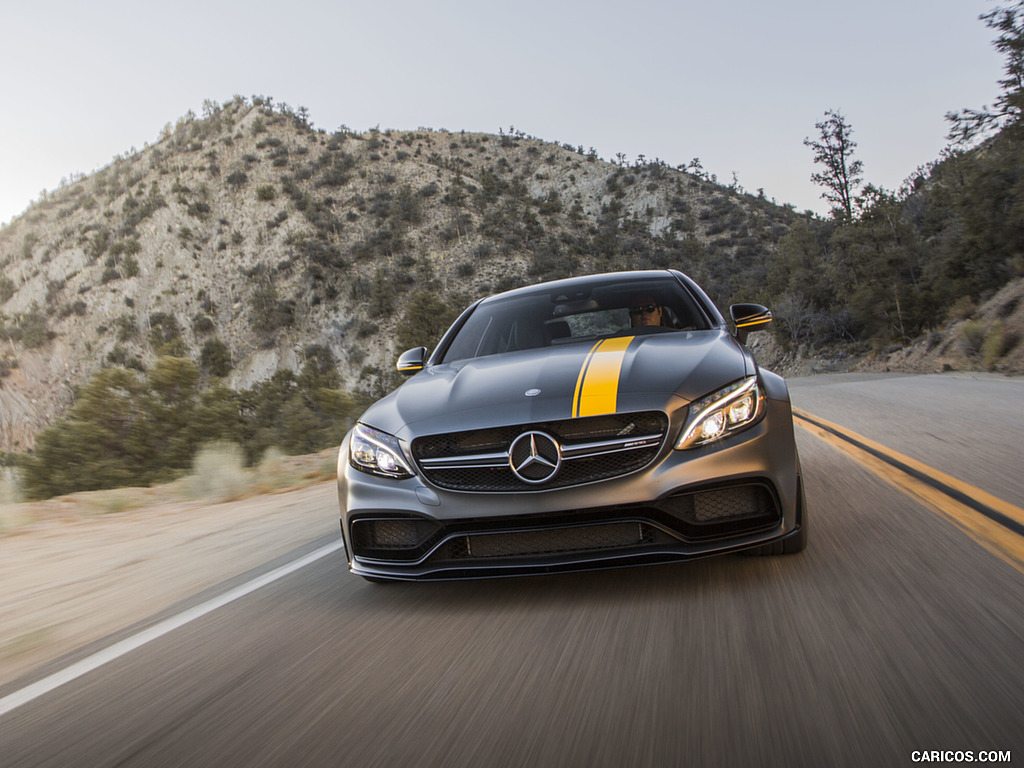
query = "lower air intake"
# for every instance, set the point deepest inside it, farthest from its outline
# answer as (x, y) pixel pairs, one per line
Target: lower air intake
(556, 541)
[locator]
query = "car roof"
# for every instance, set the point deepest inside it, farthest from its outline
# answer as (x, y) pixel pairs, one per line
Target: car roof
(569, 284)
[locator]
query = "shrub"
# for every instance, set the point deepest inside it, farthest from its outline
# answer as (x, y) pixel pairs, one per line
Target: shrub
(28, 244)
(121, 358)
(272, 462)
(366, 328)
(215, 357)
(266, 193)
(962, 309)
(127, 247)
(34, 331)
(10, 495)
(98, 244)
(199, 209)
(126, 329)
(994, 346)
(7, 365)
(272, 470)
(129, 266)
(6, 288)
(426, 318)
(972, 336)
(268, 312)
(165, 335)
(95, 445)
(202, 323)
(218, 472)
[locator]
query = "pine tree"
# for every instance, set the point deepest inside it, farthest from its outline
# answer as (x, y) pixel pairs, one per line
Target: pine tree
(842, 174)
(1008, 110)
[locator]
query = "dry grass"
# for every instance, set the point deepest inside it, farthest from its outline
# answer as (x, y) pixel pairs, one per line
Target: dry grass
(11, 512)
(218, 475)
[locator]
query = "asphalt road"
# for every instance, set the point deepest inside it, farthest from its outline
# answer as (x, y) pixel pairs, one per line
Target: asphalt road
(894, 633)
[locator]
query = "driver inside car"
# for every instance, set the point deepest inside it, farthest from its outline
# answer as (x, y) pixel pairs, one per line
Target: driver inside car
(644, 310)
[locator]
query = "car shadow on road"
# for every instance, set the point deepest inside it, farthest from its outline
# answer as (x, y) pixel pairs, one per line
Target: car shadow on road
(651, 584)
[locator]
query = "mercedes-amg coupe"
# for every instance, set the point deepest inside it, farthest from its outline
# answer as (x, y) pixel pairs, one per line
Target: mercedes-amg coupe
(600, 421)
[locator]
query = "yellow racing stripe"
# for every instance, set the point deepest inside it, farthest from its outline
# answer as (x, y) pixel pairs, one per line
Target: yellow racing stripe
(579, 380)
(597, 387)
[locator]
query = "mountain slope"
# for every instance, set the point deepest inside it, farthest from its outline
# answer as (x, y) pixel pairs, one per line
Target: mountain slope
(243, 238)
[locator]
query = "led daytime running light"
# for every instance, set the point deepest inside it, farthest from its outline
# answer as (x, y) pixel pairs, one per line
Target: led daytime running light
(729, 410)
(379, 453)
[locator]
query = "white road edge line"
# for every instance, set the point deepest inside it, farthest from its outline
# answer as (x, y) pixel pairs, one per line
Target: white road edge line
(119, 649)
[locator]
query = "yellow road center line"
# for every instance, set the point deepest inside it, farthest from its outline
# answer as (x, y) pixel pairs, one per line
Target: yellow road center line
(992, 522)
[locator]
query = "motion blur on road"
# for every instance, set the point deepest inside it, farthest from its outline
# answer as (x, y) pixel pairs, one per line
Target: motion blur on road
(896, 632)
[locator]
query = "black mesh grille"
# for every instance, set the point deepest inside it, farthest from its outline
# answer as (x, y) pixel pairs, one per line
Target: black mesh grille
(556, 541)
(394, 538)
(721, 511)
(568, 433)
(723, 503)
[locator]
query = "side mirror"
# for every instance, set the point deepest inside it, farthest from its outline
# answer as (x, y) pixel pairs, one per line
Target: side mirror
(749, 317)
(412, 360)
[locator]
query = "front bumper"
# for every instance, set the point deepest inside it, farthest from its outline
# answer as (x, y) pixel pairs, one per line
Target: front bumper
(740, 493)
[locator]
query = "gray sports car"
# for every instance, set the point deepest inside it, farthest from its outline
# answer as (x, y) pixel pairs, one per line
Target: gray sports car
(592, 422)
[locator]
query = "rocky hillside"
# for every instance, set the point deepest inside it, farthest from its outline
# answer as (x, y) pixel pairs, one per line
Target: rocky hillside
(245, 238)
(987, 337)
(983, 338)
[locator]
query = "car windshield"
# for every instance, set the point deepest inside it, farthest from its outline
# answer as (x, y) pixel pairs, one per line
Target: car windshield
(581, 313)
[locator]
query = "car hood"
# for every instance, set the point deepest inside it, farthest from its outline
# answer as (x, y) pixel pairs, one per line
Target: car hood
(560, 382)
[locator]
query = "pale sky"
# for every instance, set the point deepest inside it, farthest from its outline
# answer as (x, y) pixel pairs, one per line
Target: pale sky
(738, 84)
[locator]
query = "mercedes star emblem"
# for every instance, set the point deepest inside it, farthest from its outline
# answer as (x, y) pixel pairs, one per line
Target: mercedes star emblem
(535, 457)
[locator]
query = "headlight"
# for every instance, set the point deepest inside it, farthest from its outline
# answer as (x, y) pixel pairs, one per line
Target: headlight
(725, 412)
(376, 452)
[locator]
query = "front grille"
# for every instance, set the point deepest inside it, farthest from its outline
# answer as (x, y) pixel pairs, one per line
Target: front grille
(555, 541)
(593, 448)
